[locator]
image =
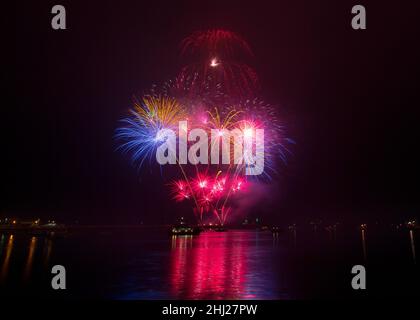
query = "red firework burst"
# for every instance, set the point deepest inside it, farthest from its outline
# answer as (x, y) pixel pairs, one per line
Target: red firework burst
(216, 42)
(214, 57)
(209, 193)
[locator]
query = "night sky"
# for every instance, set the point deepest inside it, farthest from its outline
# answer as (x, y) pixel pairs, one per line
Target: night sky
(348, 98)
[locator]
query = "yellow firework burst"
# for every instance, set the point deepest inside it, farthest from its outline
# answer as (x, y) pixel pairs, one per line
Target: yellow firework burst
(217, 121)
(160, 111)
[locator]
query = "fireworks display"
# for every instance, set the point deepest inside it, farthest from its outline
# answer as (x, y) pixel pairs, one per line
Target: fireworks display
(214, 94)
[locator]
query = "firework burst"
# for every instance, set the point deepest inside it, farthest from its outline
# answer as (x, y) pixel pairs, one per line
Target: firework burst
(214, 42)
(140, 133)
(211, 193)
(216, 55)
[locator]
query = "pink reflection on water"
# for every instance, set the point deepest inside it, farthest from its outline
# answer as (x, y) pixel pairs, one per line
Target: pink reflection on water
(212, 265)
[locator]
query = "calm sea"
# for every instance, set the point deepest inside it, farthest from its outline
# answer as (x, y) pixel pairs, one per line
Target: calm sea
(147, 263)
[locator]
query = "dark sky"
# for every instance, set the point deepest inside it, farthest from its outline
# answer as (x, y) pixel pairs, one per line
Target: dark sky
(349, 99)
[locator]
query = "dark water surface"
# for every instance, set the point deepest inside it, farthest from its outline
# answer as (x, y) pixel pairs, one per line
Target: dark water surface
(146, 263)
